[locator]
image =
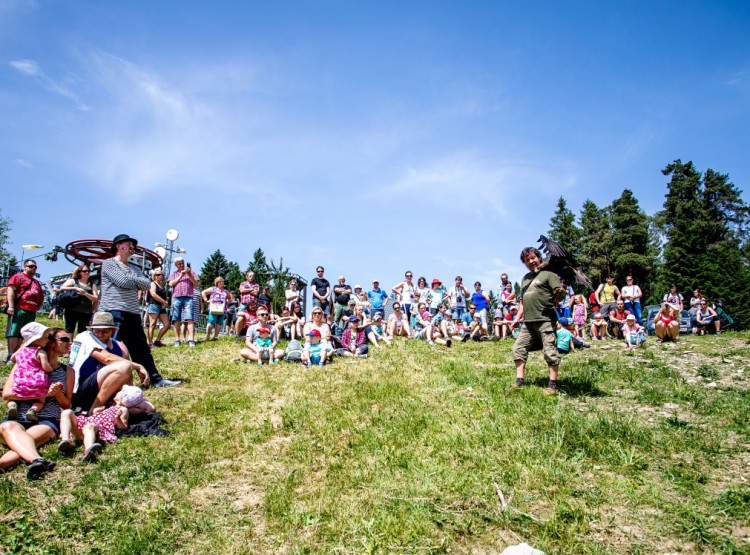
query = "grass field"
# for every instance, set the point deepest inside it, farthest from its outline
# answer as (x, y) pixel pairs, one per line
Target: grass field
(643, 452)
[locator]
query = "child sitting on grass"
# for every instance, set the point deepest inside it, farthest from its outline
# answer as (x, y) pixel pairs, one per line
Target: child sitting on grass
(314, 352)
(564, 339)
(598, 327)
(568, 324)
(264, 346)
(633, 333)
(31, 382)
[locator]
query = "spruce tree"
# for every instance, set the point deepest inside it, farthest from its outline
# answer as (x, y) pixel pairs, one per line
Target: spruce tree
(630, 252)
(215, 265)
(259, 266)
(562, 228)
(596, 242)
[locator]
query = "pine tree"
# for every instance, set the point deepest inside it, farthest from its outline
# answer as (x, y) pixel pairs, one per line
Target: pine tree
(630, 252)
(562, 228)
(5, 255)
(215, 265)
(596, 243)
(234, 277)
(279, 278)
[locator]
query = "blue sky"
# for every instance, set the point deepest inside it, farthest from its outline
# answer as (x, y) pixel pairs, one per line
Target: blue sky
(370, 138)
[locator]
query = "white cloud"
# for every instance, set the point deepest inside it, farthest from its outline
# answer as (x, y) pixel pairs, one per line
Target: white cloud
(23, 163)
(32, 69)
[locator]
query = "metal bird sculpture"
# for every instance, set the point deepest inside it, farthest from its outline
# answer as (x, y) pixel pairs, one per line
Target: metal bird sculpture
(562, 262)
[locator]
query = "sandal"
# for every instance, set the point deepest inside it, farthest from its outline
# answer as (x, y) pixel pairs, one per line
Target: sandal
(93, 452)
(12, 411)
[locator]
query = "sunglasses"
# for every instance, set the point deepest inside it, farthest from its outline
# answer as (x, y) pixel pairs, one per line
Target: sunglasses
(62, 339)
(85, 271)
(31, 266)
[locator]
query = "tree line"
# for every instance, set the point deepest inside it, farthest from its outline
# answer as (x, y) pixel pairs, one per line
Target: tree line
(699, 240)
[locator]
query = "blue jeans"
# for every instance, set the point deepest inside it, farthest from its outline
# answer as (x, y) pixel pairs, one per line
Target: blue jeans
(635, 309)
(458, 312)
(180, 306)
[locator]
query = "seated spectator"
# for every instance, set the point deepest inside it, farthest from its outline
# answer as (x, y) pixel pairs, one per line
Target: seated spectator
(578, 342)
(564, 339)
(23, 437)
(503, 326)
(261, 340)
(398, 324)
(318, 323)
(102, 364)
(420, 324)
(617, 319)
(376, 329)
(299, 318)
(439, 328)
(704, 317)
(285, 325)
(476, 331)
(353, 340)
(695, 300)
(666, 323)
(633, 333)
(598, 327)
(315, 351)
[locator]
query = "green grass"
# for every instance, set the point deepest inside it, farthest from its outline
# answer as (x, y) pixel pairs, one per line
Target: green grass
(399, 453)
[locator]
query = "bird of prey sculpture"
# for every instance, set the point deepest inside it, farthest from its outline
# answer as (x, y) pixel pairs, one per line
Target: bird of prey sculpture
(560, 261)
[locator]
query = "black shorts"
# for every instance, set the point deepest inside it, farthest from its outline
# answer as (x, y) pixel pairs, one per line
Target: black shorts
(88, 389)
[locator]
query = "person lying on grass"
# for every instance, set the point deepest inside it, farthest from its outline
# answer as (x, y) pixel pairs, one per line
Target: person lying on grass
(98, 427)
(540, 292)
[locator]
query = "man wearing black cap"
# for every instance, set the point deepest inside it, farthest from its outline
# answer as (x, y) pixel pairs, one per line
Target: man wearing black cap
(120, 285)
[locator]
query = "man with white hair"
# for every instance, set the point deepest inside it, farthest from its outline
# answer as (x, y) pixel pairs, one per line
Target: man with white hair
(183, 283)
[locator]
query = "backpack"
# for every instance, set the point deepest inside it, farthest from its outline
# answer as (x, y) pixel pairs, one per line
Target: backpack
(293, 351)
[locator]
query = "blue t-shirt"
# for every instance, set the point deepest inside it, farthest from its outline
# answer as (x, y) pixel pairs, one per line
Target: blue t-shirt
(479, 300)
(467, 318)
(563, 339)
(377, 297)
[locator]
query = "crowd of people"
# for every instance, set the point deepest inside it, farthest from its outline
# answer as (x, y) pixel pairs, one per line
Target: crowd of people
(94, 395)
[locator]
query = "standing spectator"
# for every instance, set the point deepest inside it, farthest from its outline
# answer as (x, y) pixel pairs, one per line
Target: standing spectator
(157, 308)
(632, 294)
(25, 297)
(405, 291)
(378, 298)
(321, 290)
(563, 307)
(217, 298)
(422, 291)
(606, 296)
(183, 283)
(120, 285)
(231, 315)
(695, 300)
(291, 294)
(54, 303)
(481, 302)
(458, 294)
(435, 296)
(264, 299)
(342, 294)
(246, 313)
(507, 297)
(675, 298)
(79, 313)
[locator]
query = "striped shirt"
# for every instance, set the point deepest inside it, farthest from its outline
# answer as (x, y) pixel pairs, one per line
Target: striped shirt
(120, 285)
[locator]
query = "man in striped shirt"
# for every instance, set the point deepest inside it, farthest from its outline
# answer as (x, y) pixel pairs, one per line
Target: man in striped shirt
(119, 287)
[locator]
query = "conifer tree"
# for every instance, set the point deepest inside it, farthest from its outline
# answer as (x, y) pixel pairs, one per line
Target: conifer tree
(260, 267)
(596, 242)
(562, 228)
(630, 252)
(215, 265)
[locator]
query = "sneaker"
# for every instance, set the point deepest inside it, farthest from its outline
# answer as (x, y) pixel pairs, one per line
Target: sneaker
(307, 365)
(158, 344)
(448, 343)
(166, 383)
(361, 356)
(92, 453)
(176, 343)
(36, 469)
(12, 411)
(321, 364)
(191, 343)
(274, 361)
(31, 416)
(464, 339)
(549, 391)
(66, 448)
(260, 363)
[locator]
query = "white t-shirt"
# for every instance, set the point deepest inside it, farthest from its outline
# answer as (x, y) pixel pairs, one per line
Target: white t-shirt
(458, 296)
(83, 345)
(630, 291)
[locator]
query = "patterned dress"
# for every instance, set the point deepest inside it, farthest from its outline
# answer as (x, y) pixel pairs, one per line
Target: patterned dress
(30, 379)
(104, 420)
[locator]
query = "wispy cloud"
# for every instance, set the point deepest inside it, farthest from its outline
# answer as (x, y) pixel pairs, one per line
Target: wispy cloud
(23, 163)
(31, 68)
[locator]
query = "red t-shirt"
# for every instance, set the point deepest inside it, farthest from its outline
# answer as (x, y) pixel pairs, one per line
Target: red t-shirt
(619, 315)
(29, 292)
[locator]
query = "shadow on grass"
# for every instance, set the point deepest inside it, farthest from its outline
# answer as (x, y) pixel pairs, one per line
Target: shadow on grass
(574, 386)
